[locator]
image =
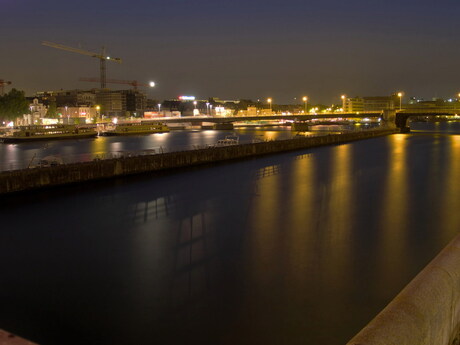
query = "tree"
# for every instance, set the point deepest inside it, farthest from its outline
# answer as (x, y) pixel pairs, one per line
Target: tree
(13, 104)
(52, 113)
(243, 104)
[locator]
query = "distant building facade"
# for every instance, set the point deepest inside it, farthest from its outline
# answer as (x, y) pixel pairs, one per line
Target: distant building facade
(353, 105)
(69, 98)
(363, 104)
(111, 102)
(38, 109)
(436, 104)
(378, 103)
(37, 112)
(88, 113)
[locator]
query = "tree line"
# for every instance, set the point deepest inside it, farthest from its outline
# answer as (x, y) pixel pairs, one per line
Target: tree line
(12, 105)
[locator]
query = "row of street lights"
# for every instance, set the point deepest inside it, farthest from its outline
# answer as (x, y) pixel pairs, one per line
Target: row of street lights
(269, 101)
(399, 94)
(195, 103)
(208, 107)
(305, 100)
(343, 97)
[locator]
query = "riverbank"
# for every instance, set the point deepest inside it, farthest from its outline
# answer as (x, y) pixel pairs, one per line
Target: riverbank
(29, 179)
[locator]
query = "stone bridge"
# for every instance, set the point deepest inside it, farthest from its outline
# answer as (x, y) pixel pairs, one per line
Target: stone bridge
(396, 118)
(224, 122)
(401, 117)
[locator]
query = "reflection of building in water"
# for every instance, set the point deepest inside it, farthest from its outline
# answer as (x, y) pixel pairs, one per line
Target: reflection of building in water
(268, 171)
(192, 256)
(190, 252)
(151, 209)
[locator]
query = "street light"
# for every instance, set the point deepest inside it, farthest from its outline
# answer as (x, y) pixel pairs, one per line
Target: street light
(269, 100)
(159, 108)
(207, 108)
(344, 100)
(305, 99)
(97, 111)
(400, 94)
(194, 108)
(152, 84)
(210, 106)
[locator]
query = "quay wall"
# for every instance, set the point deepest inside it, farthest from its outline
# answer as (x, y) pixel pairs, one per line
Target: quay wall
(426, 312)
(28, 179)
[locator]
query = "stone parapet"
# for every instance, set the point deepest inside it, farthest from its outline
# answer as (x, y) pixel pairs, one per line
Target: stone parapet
(426, 312)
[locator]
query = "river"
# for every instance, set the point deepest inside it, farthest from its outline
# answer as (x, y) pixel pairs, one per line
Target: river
(22, 155)
(303, 247)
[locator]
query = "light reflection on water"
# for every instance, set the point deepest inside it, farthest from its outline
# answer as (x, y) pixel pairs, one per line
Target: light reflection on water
(297, 248)
(393, 215)
(18, 156)
(15, 156)
(451, 191)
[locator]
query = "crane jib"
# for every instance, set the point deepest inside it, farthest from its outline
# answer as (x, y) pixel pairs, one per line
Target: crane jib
(102, 57)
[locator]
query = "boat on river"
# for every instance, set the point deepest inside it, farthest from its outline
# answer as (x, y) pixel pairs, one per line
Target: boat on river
(230, 140)
(48, 132)
(48, 161)
(136, 128)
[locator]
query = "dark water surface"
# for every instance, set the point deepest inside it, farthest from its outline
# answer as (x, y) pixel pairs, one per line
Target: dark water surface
(297, 248)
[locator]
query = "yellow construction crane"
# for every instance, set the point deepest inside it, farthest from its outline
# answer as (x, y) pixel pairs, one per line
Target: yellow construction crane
(102, 57)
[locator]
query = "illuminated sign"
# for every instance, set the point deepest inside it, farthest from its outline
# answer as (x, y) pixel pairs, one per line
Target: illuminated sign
(187, 98)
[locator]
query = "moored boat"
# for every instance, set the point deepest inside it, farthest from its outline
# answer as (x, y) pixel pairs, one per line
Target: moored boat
(49, 132)
(230, 140)
(48, 161)
(136, 128)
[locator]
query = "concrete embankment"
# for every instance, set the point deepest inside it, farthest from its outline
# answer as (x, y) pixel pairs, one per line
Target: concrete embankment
(426, 312)
(27, 179)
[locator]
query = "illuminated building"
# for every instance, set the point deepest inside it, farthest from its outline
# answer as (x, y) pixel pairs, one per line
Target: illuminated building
(360, 104)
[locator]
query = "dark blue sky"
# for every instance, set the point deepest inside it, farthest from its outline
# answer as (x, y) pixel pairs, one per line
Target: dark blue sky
(239, 49)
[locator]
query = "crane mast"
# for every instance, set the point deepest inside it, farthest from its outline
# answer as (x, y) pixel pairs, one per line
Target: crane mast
(103, 58)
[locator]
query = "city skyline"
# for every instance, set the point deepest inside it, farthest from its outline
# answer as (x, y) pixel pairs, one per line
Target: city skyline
(278, 49)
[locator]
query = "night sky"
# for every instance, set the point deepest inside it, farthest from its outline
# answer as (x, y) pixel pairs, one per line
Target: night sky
(238, 49)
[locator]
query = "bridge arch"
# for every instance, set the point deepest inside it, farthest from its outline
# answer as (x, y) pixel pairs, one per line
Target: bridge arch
(402, 117)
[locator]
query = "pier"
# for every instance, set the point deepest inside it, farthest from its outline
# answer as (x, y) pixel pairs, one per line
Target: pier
(28, 179)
